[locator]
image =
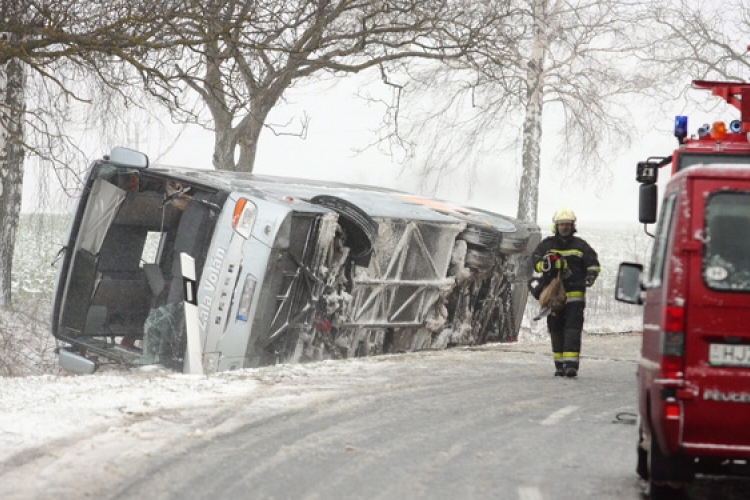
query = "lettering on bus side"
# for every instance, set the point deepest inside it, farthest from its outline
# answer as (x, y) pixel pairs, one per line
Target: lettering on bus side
(211, 272)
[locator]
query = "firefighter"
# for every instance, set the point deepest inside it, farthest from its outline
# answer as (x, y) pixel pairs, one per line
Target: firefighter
(578, 265)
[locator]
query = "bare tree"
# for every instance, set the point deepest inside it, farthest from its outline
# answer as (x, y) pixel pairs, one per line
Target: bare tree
(688, 40)
(576, 56)
(239, 57)
(256, 50)
(55, 43)
(12, 86)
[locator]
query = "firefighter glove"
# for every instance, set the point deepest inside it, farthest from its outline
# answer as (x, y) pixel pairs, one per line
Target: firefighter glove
(551, 261)
(557, 261)
(590, 279)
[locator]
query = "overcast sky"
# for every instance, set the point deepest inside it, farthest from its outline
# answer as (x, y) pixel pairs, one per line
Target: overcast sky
(342, 123)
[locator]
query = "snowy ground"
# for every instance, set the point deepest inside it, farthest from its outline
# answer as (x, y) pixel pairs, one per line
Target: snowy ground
(115, 411)
(39, 413)
(38, 410)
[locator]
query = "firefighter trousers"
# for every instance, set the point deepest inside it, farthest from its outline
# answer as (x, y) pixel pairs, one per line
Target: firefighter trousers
(565, 329)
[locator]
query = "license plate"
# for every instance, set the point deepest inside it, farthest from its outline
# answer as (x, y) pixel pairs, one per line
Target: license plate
(729, 355)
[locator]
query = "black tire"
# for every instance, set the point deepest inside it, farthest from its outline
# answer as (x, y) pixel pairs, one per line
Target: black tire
(287, 348)
(479, 260)
(361, 229)
(481, 237)
(663, 492)
(515, 242)
(496, 318)
(641, 467)
(663, 474)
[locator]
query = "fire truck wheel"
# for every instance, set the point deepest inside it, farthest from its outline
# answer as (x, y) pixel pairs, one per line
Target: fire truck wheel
(663, 474)
(642, 466)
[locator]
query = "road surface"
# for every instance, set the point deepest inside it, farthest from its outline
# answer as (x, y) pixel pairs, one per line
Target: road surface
(488, 423)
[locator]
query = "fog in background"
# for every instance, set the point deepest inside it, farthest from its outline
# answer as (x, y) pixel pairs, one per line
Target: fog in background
(339, 146)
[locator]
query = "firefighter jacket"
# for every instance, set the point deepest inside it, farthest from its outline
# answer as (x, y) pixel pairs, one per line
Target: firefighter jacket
(580, 263)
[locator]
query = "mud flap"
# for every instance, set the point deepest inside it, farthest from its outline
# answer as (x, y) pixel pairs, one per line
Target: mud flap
(193, 362)
(668, 472)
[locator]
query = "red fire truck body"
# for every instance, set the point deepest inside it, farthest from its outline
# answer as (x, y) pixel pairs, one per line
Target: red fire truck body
(694, 372)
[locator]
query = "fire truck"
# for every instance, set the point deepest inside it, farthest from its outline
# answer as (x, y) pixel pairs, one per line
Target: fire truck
(694, 371)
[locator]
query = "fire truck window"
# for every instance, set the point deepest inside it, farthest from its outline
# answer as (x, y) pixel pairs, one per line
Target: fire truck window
(686, 160)
(726, 260)
(656, 269)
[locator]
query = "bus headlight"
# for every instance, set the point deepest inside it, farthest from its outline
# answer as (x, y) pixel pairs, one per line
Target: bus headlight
(244, 216)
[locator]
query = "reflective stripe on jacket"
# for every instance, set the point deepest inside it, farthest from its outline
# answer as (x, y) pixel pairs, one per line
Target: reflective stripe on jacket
(580, 260)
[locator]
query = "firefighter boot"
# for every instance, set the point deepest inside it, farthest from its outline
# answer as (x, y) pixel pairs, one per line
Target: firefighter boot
(559, 369)
(570, 369)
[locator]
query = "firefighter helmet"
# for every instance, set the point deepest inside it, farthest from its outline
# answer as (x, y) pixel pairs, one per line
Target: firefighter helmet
(564, 215)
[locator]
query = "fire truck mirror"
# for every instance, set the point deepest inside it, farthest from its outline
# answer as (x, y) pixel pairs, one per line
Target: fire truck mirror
(647, 203)
(628, 287)
(647, 172)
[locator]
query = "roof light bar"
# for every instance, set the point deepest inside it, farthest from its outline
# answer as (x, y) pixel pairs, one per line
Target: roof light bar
(680, 127)
(718, 131)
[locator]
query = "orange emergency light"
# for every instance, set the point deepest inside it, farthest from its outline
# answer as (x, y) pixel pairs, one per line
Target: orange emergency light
(718, 131)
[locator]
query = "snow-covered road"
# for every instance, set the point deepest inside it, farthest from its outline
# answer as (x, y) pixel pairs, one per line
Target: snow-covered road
(55, 426)
(484, 422)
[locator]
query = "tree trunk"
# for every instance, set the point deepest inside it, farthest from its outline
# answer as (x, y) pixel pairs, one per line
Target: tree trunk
(245, 136)
(528, 197)
(12, 93)
(224, 146)
(249, 144)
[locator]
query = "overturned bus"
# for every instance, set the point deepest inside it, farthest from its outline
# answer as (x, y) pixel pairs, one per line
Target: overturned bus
(285, 270)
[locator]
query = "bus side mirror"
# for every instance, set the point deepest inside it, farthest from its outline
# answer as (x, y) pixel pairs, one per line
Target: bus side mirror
(628, 287)
(647, 202)
(128, 158)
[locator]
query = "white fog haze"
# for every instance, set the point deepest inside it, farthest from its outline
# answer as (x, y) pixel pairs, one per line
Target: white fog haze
(340, 145)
